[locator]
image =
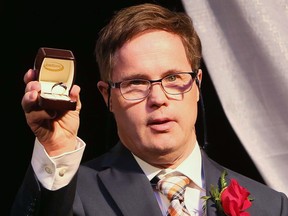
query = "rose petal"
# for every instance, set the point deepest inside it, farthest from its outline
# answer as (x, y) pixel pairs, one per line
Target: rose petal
(235, 199)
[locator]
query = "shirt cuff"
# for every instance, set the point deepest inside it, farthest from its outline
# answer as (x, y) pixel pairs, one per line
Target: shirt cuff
(56, 172)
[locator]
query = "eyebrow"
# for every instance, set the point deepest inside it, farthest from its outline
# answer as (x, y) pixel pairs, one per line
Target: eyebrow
(146, 77)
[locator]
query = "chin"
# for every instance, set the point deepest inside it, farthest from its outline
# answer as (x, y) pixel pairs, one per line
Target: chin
(163, 150)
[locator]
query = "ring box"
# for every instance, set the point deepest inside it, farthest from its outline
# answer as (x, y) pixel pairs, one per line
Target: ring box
(55, 69)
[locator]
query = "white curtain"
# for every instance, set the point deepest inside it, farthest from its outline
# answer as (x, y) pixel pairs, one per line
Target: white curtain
(245, 48)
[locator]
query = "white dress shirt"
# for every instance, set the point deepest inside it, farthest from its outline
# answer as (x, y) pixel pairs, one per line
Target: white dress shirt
(56, 172)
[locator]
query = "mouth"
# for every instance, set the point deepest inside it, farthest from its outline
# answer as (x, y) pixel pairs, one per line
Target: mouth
(161, 125)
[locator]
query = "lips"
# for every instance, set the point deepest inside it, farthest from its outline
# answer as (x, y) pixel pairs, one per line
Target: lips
(160, 125)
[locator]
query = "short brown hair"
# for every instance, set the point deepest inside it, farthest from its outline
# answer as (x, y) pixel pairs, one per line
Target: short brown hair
(131, 21)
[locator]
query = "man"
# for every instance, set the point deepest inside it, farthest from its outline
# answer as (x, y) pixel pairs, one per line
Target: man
(149, 59)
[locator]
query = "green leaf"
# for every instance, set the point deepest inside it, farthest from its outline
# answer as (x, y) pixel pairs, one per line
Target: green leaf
(223, 179)
(206, 198)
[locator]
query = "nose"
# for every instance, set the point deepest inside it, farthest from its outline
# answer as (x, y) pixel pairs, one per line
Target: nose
(157, 95)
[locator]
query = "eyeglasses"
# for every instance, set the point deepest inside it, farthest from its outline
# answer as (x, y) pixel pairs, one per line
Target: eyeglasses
(173, 84)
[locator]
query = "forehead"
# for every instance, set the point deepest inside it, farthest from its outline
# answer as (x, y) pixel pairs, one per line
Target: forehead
(151, 51)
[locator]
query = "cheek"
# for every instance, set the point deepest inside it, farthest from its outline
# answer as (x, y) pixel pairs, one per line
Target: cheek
(189, 111)
(190, 115)
(127, 115)
(129, 124)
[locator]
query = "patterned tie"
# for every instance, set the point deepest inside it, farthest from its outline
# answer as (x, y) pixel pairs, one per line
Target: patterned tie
(174, 187)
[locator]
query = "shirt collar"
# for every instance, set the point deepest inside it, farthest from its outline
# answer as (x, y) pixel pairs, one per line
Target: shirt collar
(191, 167)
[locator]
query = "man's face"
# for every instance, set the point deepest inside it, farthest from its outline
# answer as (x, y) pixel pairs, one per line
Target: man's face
(160, 128)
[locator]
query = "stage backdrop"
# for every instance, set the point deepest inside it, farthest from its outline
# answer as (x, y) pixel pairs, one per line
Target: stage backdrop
(245, 48)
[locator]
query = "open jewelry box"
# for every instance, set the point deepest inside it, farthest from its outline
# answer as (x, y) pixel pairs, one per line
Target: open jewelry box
(56, 73)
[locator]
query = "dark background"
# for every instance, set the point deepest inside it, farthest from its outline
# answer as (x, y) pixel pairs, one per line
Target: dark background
(71, 25)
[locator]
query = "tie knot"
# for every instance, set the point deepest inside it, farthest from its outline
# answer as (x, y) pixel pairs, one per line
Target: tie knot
(173, 186)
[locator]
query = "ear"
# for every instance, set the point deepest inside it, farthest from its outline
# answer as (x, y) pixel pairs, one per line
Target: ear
(198, 81)
(198, 78)
(104, 88)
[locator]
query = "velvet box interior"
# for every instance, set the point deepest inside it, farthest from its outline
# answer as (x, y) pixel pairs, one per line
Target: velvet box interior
(56, 73)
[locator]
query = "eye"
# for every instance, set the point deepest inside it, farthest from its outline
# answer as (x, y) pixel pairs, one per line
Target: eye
(171, 78)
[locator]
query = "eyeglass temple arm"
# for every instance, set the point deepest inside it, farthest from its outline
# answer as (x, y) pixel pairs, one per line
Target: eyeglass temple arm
(205, 140)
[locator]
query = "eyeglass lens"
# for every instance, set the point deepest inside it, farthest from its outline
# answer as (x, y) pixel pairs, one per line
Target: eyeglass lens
(172, 84)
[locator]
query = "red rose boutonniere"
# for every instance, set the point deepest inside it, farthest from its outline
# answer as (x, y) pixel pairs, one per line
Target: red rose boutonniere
(230, 200)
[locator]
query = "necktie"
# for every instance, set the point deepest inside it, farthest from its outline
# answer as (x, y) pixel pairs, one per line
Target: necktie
(174, 187)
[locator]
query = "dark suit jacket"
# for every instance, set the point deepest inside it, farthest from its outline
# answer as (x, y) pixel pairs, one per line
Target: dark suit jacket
(114, 184)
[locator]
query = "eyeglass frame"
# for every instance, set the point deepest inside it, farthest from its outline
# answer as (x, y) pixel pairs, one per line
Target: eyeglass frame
(114, 85)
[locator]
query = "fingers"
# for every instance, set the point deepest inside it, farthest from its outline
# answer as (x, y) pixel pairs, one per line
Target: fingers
(75, 95)
(30, 75)
(30, 99)
(74, 92)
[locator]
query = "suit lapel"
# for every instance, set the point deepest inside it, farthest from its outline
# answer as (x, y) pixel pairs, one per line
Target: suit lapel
(212, 172)
(129, 186)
